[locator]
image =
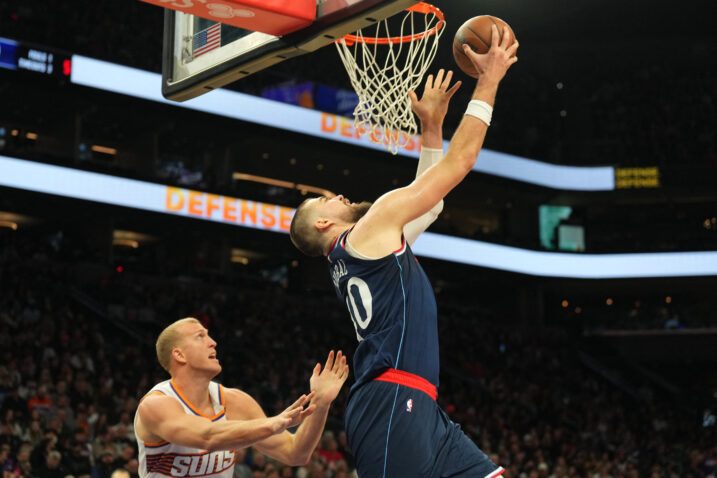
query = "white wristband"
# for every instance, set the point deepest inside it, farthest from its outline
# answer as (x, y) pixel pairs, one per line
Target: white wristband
(481, 110)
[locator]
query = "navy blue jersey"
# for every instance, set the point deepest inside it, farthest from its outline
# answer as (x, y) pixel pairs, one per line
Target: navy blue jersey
(393, 309)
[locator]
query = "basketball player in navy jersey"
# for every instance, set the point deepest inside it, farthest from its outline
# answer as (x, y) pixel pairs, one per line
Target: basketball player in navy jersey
(393, 424)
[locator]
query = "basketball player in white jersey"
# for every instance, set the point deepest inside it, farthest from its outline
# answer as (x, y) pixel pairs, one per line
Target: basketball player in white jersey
(190, 425)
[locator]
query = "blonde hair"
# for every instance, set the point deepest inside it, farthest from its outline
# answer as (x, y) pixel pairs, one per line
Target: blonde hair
(303, 233)
(168, 340)
(120, 473)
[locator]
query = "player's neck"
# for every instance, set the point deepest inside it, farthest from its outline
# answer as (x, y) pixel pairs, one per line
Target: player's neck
(195, 389)
(336, 231)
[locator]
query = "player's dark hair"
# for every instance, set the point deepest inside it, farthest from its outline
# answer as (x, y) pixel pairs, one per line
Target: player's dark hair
(303, 233)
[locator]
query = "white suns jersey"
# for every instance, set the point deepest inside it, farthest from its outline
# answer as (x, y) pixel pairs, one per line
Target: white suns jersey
(163, 459)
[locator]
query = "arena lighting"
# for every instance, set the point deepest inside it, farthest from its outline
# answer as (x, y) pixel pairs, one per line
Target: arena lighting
(13, 220)
(103, 149)
(282, 184)
(102, 188)
(240, 260)
(125, 242)
(130, 238)
(143, 84)
(244, 256)
(9, 225)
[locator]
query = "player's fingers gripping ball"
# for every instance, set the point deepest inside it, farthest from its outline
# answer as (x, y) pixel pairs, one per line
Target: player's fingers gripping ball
(477, 34)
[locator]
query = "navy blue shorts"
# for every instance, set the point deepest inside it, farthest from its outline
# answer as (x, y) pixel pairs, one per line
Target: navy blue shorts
(399, 432)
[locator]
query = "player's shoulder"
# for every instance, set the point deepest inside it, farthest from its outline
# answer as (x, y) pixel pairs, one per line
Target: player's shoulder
(160, 392)
(241, 406)
(376, 235)
(237, 397)
(158, 402)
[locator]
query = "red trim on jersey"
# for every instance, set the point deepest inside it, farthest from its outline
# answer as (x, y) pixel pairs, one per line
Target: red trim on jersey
(333, 246)
(346, 235)
(499, 471)
(409, 380)
(403, 246)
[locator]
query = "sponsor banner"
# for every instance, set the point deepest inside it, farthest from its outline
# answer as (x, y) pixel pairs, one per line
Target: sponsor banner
(106, 189)
(146, 85)
(143, 195)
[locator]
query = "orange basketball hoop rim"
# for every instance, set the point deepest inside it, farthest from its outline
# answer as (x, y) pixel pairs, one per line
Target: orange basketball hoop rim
(421, 7)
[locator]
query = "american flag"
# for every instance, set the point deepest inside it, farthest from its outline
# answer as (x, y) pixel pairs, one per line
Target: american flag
(207, 40)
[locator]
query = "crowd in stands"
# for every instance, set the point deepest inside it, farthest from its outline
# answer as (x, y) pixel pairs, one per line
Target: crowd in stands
(71, 375)
(654, 313)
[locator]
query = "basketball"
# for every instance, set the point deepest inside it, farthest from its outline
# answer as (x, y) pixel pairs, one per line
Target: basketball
(476, 32)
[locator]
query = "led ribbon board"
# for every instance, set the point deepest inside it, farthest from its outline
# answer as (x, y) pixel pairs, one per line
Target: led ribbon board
(147, 85)
(147, 196)
(143, 195)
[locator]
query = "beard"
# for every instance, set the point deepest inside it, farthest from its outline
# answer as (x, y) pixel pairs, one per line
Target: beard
(359, 210)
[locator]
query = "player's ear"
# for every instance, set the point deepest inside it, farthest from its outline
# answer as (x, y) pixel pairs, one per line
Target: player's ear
(322, 224)
(178, 355)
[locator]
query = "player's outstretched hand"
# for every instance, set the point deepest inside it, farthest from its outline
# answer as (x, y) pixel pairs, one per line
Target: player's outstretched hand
(433, 105)
(501, 56)
(294, 415)
(326, 383)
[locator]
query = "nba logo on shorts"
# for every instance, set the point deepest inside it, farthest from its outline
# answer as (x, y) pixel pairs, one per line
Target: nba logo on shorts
(409, 405)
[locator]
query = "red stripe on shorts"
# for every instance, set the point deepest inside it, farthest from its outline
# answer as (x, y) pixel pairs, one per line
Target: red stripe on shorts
(409, 380)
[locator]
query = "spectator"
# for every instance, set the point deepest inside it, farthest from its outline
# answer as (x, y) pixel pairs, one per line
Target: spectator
(241, 469)
(120, 473)
(105, 467)
(329, 450)
(343, 448)
(14, 402)
(126, 454)
(125, 427)
(132, 468)
(77, 461)
(23, 466)
(38, 457)
(52, 467)
(9, 438)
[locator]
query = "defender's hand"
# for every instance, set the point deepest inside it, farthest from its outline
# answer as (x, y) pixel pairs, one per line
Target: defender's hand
(433, 105)
(493, 65)
(326, 383)
(293, 415)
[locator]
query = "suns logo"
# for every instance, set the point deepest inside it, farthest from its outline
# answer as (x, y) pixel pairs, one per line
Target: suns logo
(409, 405)
(172, 464)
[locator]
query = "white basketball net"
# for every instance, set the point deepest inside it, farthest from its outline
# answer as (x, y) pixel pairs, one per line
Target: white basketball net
(383, 74)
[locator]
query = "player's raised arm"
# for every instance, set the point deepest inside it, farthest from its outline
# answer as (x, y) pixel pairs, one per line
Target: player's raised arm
(431, 110)
(295, 449)
(376, 234)
(162, 418)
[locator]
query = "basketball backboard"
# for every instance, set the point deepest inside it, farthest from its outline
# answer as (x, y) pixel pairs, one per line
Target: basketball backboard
(201, 55)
